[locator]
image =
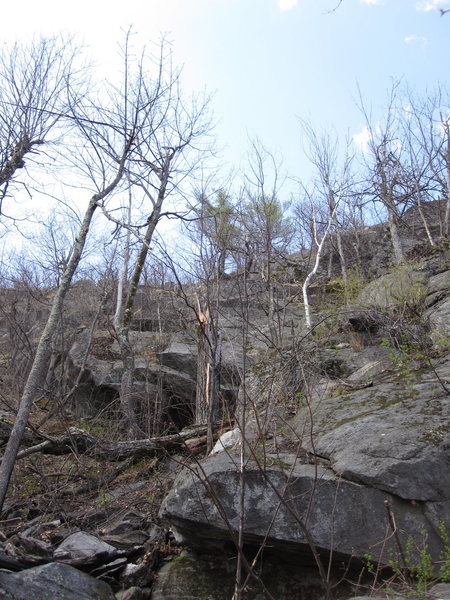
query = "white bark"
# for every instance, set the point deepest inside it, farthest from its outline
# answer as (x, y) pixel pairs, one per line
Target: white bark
(447, 179)
(320, 246)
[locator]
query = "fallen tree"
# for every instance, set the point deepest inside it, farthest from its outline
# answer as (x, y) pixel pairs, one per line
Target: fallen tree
(82, 442)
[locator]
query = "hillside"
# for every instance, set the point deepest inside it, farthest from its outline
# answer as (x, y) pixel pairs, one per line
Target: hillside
(331, 480)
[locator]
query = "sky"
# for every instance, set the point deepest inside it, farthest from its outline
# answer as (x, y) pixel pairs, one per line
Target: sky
(267, 63)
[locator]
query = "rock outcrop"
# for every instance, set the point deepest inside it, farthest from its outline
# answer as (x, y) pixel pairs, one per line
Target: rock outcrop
(362, 469)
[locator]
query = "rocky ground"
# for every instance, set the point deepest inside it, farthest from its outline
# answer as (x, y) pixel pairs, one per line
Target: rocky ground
(346, 452)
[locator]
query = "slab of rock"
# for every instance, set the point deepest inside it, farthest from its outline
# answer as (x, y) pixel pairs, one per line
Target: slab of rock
(393, 436)
(130, 521)
(83, 545)
(283, 500)
(394, 289)
(53, 581)
(136, 575)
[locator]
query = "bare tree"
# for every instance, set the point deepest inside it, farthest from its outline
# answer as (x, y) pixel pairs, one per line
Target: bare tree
(427, 132)
(165, 151)
(388, 181)
(266, 227)
(115, 145)
(333, 181)
(320, 225)
(34, 79)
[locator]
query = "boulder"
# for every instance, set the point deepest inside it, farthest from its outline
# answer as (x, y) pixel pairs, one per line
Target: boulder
(130, 521)
(136, 575)
(440, 591)
(53, 581)
(291, 506)
(395, 289)
(83, 545)
(134, 593)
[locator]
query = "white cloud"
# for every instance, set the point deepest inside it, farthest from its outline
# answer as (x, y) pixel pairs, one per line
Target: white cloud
(285, 5)
(362, 139)
(372, 1)
(427, 5)
(410, 39)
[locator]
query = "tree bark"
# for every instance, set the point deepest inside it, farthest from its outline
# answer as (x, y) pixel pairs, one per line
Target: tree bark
(40, 361)
(127, 398)
(447, 180)
(207, 400)
(311, 274)
(395, 236)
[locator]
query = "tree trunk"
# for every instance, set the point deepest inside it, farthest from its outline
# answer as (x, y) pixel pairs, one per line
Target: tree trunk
(207, 399)
(42, 353)
(40, 362)
(320, 246)
(341, 255)
(424, 219)
(395, 236)
(127, 398)
(447, 179)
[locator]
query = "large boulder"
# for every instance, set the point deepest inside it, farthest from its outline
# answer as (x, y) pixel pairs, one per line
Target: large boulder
(438, 308)
(395, 289)
(291, 506)
(83, 545)
(384, 445)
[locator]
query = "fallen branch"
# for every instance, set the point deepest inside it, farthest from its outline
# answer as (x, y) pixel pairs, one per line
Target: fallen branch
(80, 441)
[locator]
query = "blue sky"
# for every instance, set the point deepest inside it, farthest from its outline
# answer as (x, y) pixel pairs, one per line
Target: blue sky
(268, 62)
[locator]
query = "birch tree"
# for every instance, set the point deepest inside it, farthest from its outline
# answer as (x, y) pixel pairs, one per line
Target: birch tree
(332, 180)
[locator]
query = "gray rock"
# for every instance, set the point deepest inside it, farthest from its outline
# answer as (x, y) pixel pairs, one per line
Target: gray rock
(33, 546)
(286, 501)
(393, 436)
(439, 319)
(53, 581)
(155, 533)
(180, 356)
(127, 539)
(136, 575)
(134, 593)
(83, 545)
(208, 577)
(441, 591)
(377, 597)
(394, 289)
(130, 521)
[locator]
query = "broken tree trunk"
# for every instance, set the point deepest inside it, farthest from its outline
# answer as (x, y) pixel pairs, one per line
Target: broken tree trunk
(207, 401)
